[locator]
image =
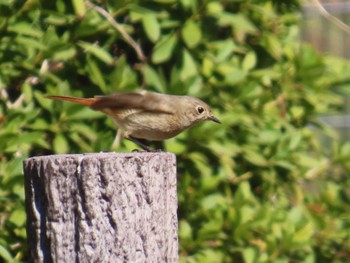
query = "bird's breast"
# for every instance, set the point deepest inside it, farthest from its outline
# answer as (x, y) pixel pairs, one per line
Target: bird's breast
(154, 126)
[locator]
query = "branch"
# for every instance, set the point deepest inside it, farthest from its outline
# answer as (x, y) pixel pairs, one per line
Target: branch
(120, 29)
(330, 17)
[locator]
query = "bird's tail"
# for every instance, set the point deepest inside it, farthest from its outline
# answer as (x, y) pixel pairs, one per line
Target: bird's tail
(82, 101)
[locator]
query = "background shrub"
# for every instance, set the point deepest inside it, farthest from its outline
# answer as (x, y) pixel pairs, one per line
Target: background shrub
(262, 187)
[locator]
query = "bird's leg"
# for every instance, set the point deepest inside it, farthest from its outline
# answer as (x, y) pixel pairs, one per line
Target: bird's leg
(139, 143)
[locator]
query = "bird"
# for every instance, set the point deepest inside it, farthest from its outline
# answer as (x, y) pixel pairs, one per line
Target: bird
(146, 115)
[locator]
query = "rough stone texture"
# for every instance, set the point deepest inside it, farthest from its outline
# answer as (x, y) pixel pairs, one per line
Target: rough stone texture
(106, 207)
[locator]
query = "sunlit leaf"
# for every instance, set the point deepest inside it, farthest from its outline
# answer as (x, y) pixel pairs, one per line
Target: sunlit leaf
(5, 254)
(189, 67)
(254, 157)
(79, 7)
(153, 78)
(96, 73)
(249, 61)
(185, 230)
(151, 27)
(65, 54)
(163, 50)
(249, 255)
(18, 217)
(60, 144)
(213, 201)
(191, 33)
(84, 113)
(304, 234)
(25, 29)
(97, 51)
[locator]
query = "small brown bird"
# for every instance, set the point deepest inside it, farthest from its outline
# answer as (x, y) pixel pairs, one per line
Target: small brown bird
(148, 115)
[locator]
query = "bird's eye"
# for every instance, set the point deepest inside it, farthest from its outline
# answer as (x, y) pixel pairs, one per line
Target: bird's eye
(200, 109)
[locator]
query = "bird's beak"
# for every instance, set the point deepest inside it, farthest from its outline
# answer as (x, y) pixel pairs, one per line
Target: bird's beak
(214, 119)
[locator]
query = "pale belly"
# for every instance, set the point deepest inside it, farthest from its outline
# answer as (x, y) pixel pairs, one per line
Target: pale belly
(148, 125)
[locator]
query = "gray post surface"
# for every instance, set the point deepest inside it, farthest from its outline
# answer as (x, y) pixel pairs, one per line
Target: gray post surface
(105, 207)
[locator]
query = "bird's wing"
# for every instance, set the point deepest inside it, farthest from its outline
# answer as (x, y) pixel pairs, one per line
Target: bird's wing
(147, 101)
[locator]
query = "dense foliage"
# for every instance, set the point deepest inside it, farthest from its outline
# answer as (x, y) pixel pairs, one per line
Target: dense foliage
(259, 188)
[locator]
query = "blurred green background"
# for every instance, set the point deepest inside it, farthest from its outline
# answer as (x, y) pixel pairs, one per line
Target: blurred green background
(261, 187)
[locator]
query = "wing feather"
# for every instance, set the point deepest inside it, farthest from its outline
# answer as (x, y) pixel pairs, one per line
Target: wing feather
(146, 101)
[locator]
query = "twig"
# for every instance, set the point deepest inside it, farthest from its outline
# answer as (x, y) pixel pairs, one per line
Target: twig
(120, 29)
(330, 17)
(16, 104)
(117, 139)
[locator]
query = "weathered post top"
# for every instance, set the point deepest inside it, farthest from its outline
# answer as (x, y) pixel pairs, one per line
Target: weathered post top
(104, 207)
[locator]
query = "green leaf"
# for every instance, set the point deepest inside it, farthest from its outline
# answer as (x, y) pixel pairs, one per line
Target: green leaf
(84, 130)
(151, 27)
(135, 15)
(273, 45)
(95, 73)
(191, 33)
(58, 19)
(244, 192)
(304, 234)
(164, 49)
(29, 42)
(84, 113)
(253, 156)
(297, 111)
(165, 1)
(185, 230)
(18, 217)
(60, 144)
(295, 140)
(40, 124)
(189, 68)
(237, 21)
(188, 4)
(123, 76)
(208, 255)
(232, 75)
(212, 201)
(268, 136)
(210, 229)
(43, 102)
(65, 54)
(207, 67)
(249, 255)
(295, 215)
(79, 7)
(25, 29)
(14, 166)
(286, 165)
(153, 78)
(5, 254)
(214, 8)
(247, 214)
(97, 51)
(28, 138)
(249, 61)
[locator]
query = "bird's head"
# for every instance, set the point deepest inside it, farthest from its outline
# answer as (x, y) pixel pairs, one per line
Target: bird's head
(198, 111)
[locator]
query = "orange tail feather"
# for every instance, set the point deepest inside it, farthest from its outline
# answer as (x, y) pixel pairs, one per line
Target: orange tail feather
(82, 101)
